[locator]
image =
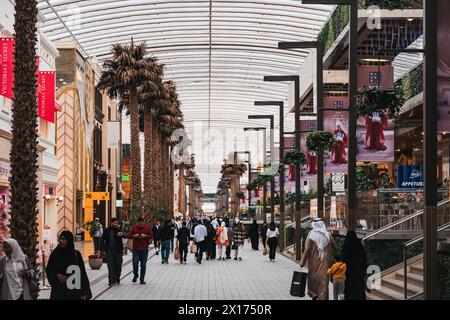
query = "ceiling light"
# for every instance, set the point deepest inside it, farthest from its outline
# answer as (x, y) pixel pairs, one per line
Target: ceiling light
(410, 19)
(374, 60)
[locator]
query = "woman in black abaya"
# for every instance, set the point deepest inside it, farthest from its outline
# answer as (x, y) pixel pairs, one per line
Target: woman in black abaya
(254, 235)
(61, 258)
(354, 255)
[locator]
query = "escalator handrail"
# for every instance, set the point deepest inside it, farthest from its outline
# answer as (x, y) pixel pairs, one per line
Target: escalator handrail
(400, 221)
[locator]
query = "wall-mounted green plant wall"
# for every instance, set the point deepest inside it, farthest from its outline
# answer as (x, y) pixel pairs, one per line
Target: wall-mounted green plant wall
(412, 83)
(392, 4)
(333, 28)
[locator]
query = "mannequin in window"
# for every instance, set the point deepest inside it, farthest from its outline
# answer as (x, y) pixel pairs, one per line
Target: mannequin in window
(374, 134)
(338, 154)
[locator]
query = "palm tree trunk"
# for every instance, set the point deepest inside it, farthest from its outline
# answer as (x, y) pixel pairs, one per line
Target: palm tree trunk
(234, 198)
(23, 154)
(171, 185)
(182, 190)
(156, 162)
(136, 182)
(148, 163)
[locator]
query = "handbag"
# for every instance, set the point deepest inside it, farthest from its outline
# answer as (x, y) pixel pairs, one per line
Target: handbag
(265, 251)
(234, 246)
(176, 253)
(193, 248)
(298, 285)
(130, 244)
(32, 282)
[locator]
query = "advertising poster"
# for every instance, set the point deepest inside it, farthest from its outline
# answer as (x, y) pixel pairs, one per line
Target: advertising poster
(443, 65)
(336, 122)
(257, 193)
(6, 66)
(309, 171)
(375, 132)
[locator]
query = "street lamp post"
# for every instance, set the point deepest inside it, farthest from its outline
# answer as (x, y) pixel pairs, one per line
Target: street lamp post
(298, 225)
(352, 92)
(319, 103)
(264, 161)
(281, 175)
(272, 180)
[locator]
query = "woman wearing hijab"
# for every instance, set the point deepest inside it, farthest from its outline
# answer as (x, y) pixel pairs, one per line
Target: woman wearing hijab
(64, 256)
(354, 256)
(15, 269)
(317, 256)
(222, 239)
(254, 235)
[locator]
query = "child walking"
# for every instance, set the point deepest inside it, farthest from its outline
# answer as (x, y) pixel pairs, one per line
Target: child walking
(337, 274)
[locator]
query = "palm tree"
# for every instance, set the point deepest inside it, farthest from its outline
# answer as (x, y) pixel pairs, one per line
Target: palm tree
(122, 75)
(23, 154)
(170, 118)
(234, 171)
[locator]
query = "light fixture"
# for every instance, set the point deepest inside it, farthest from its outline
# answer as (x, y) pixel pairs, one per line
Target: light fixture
(410, 19)
(47, 197)
(60, 199)
(374, 60)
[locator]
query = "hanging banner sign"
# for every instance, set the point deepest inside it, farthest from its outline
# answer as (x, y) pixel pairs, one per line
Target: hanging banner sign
(338, 182)
(7, 66)
(443, 65)
(375, 132)
(113, 134)
(370, 76)
(336, 122)
(46, 95)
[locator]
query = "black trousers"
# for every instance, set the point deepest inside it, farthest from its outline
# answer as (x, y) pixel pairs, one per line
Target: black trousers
(272, 247)
(228, 252)
(114, 261)
(157, 244)
(200, 250)
(183, 251)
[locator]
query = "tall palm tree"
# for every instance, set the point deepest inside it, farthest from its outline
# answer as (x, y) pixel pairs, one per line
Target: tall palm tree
(123, 74)
(170, 118)
(23, 154)
(234, 171)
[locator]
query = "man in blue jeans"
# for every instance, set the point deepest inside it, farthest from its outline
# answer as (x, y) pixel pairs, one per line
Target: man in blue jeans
(165, 234)
(141, 234)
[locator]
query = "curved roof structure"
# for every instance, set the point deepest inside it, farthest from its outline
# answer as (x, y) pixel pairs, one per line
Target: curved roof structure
(216, 51)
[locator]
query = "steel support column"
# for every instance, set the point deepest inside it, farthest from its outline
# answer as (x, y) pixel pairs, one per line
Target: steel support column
(430, 150)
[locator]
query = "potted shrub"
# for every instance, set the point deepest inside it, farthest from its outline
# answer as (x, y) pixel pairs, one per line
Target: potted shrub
(319, 141)
(370, 100)
(294, 157)
(95, 261)
(240, 195)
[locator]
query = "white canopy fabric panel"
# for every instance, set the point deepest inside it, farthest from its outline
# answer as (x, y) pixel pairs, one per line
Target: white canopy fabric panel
(216, 51)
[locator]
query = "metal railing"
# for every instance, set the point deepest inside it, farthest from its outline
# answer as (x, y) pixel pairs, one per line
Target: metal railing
(405, 260)
(401, 221)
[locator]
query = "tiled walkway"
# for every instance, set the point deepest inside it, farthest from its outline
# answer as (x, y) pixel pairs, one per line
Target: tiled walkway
(255, 277)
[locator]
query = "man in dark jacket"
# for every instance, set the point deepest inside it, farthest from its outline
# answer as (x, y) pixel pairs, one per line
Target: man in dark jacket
(141, 234)
(183, 242)
(156, 239)
(165, 234)
(112, 245)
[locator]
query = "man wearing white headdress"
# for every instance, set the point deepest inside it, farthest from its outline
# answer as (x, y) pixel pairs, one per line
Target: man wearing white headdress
(317, 256)
(15, 268)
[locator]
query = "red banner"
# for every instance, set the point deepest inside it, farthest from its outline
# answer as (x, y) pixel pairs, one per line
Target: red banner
(6, 66)
(46, 95)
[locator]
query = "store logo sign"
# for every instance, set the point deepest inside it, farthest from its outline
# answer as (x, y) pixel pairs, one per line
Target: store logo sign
(415, 174)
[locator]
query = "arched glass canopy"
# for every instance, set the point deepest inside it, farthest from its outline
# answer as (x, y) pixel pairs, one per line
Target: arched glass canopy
(216, 51)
